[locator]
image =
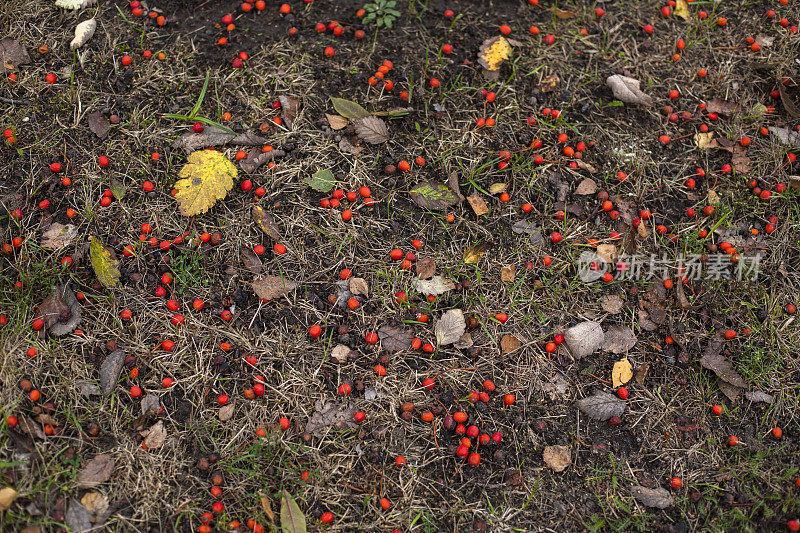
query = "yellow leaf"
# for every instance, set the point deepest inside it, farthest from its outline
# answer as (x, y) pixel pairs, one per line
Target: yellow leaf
(207, 177)
(7, 497)
(682, 10)
(497, 188)
(474, 253)
(493, 52)
(104, 264)
(702, 140)
(622, 372)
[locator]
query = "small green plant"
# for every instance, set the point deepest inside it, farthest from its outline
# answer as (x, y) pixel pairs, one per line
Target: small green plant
(381, 12)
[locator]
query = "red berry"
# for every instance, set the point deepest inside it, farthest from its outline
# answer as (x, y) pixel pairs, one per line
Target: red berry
(622, 392)
(315, 330)
(675, 483)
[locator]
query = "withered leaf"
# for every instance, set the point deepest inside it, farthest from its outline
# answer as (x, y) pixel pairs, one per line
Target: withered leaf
(250, 260)
(507, 273)
(348, 148)
(758, 396)
(550, 83)
(265, 222)
(7, 497)
(426, 268)
(372, 129)
(611, 303)
(450, 327)
(290, 106)
(110, 370)
(641, 373)
(436, 285)
(340, 353)
(618, 339)
(155, 436)
(272, 287)
(60, 311)
(723, 107)
(478, 204)
(96, 471)
(586, 166)
(434, 196)
(786, 136)
(329, 414)
(474, 253)
(359, 287)
(584, 338)
(621, 373)
(713, 360)
(627, 90)
(557, 457)
(96, 504)
(601, 406)
(12, 54)
(607, 252)
(336, 122)
(587, 186)
(464, 342)
(740, 161)
(30, 427)
(554, 386)
(257, 157)
(659, 498)
(214, 136)
(150, 405)
(563, 13)
(394, 338)
(77, 517)
(509, 344)
(226, 412)
(98, 124)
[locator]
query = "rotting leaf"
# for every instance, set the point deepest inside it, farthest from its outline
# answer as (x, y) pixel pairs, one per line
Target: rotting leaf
(12, 54)
(555, 386)
(611, 303)
(474, 253)
(713, 360)
(372, 129)
(723, 107)
(96, 471)
(273, 287)
(464, 342)
(265, 222)
(627, 90)
(349, 109)
(788, 104)
(478, 204)
(618, 339)
(359, 287)
(155, 436)
(450, 327)
(207, 177)
(150, 405)
(435, 196)
(557, 457)
(601, 406)
(493, 52)
(110, 370)
(436, 285)
(60, 311)
(329, 414)
(426, 268)
(758, 396)
(215, 136)
(682, 10)
(250, 260)
(659, 498)
(292, 518)
(740, 161)
(77, 517)
(336, 122)
(621, 373)
(98, 124)
(290, 106)
(104, 264)
(321, 180)
(394, 338)
(347, 147)
(787, 137)
(510, 344)
(550, 83)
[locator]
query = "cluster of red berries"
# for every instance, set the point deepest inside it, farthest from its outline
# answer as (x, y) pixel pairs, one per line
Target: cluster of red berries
(388, 85)
(137, 10)
(8, 135)
(35, 397)
(339, 195)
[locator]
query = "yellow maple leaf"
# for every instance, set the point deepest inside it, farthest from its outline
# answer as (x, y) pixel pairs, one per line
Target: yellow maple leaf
(493, 52)
(682, 10)
(621, 373)
(207, 177)
(104, 264)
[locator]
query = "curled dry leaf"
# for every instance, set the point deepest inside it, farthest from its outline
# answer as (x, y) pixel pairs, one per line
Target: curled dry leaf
(587, 186)
(372, 129)
(272, 287)
(155, 436)
(110, 370)
(336, 122)
(474, 253)
(359, 287)
(659, 498)
(290, 106)
(586, 166)
(723, 107)
(257, 157)
(478, 204)
(426, 268)
(394, 338)
(215, 136)
(627, 90)
(557, 457)
(584, 338)
(450, 327)
(99, 124)
(601, 406)
(83, 32)
(340, 353)
(621, 373)
(96, 471)
(436, 285)
(507, 273)
(265, 222)
(509, 344)
(618, 339)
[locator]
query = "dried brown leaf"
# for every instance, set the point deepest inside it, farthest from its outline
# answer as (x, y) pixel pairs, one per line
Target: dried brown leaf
(426, 268)
(250, 260)
(586, 166)
(601, 406)
(273, 287)
(96, 504)
(329, 414)
(557, 457)
(507, 273)
(96, 471)
(759, 396)
(257, 157)
(450, 327)
(713, 360)
(563, 14)
(340, 353)
(509, 344)
(436, 285)
(584, 338)
(77, 518)
(98, 124)
(226, 412)
(618, 339)
(723, 107)
(12, 54)
(336, 122)
(359, 287)
(110, 370)
(659, 498)
(372, 129)
(478, 204)
(155, 436)
(611, 303)
(265, 222)
(290, 106)
(394, 338)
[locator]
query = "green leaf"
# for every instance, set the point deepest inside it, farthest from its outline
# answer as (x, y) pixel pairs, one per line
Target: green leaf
(321, 180)
(104, 264)
(434, 196)
(349, 109)
(292, 518)
(117, 189)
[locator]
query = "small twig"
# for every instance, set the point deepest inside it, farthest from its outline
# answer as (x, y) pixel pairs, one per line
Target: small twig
(13, 101)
